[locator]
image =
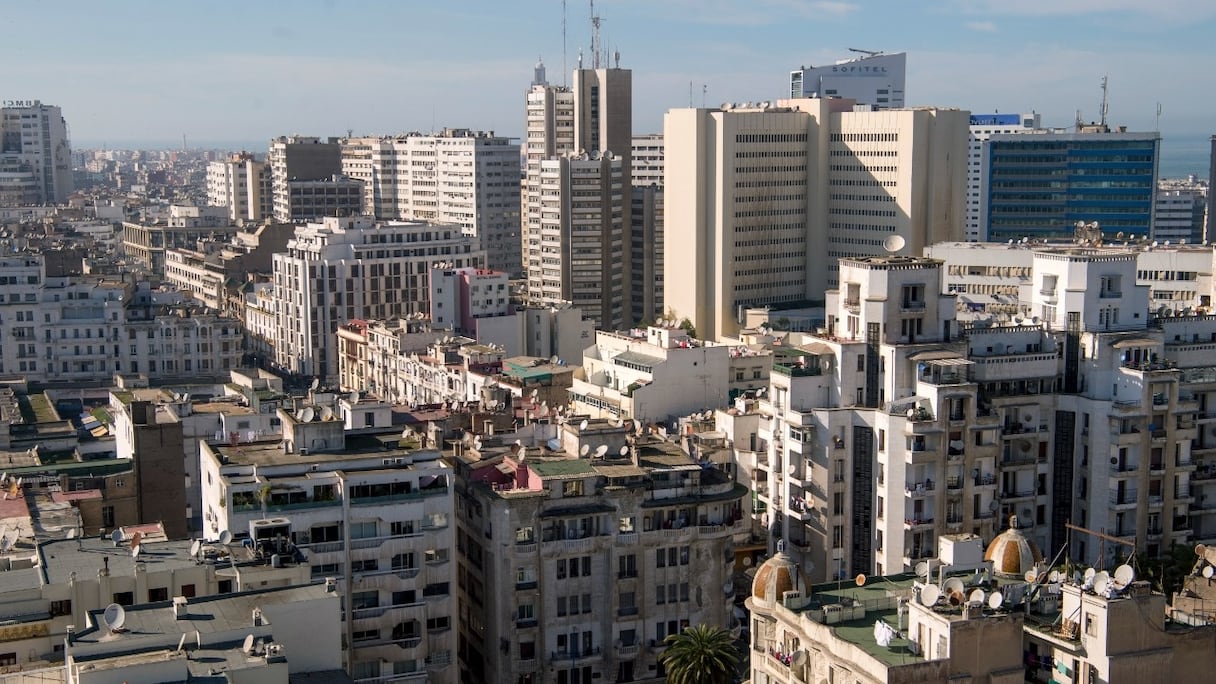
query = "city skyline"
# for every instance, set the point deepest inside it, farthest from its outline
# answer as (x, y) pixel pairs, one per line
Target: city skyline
(390, 68)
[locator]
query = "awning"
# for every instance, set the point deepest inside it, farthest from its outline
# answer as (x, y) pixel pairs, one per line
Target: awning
(1135, 342)
(933, 354)
(950, 362)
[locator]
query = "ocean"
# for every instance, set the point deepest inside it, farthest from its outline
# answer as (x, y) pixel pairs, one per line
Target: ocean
(1182, 155)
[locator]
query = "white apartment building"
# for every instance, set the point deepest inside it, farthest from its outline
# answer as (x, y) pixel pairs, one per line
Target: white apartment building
(655, 374)
(34, 143)
(184, 227)
(647, 157)
(456, 177)
(583, 236)
(1179, 212)
(766, 199)
(354, 268)
(982, 127)
(876, 80)
(996, 280)
(363, 505)
(242, 185)
(646, 229)
(577, 568)
(462, 296)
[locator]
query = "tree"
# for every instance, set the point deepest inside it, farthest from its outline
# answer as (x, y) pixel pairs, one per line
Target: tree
(688, 327)
(700, 655)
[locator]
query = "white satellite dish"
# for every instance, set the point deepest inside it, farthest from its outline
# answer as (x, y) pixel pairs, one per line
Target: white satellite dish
(196, 547)
(327, 413)
(135, 549)
(977, 596)
(1054, 576)
(954, 585)
(1101, 583)
(115, 616)
(922, 569)
(1031, 576)
(316, 382)
(247, 647)
(624, 451)
(71, 534)
(1124, 575)
(584, 449)
(601, 450)
(860, 580)
(554, 444)
(582, 426)
(929, 594)
(407, 433)
(307, 415)
(995, 600)
(116, 536)
(893, 243)
(353, 398)
(798, 659)
(1208, 572)
(1089, 575)
(226, 537)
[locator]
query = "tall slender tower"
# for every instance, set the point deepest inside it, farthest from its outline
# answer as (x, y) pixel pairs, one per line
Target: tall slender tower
(589, 122)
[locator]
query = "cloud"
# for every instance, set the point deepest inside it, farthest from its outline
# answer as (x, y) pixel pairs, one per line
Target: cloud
(981, 26)
(1189, 10)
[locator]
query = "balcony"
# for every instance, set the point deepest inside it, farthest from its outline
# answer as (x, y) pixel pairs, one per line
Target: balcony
(917, 523)
(1156, 468)
(1123, 500)
(628, 651)
(920, 489)
(575, 655)
(1017, 495)
(954, 483)
(985, 480)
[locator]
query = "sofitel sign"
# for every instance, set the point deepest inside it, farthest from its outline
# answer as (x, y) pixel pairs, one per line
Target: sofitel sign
(846, 69)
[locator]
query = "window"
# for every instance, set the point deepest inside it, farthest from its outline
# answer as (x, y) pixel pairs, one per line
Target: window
(188, 590)
(367, 565)
(63, 607)
(107, 516)
(360, 600)
(365, 634)
(404, 561)
(124, 598)
(158, 594)
(363, 530)
(572, 488)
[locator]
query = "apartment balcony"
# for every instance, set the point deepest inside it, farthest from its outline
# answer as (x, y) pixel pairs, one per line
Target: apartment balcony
(1127, 408)
(984, 480)
(922, 427)
(954, 523)
(918, 523)
(575, 656)
(1017, 495)
(920, 489)
(1156, 468)
(954, 484)
(627, 651)
(1123, 501)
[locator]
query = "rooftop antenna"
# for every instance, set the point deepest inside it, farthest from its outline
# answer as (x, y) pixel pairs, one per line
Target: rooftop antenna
(115, 616)
(1158, 126)
(1104, 105)
(595, 37)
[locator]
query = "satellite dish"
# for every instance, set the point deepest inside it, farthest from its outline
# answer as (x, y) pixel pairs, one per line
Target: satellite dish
(316, 382)
(247, 647)
(196, 547)
(747, 561)
(226, 537)
(977, 596)
(1088, 577)
(353, 397)
(798, 659)
(115, 616)
(135, 549)
(929, 594)
(995, 600)
(116, 536)
(71, 533)
(1055, 576)
(582, 426)
(1031, 576)
(1200, 550)
(1124, 575)
(1101, 582)
(582, 451)
(307, 415)
(954, 585)
(327, 413)
(893, 243)
(922, 569)
(860, 580)
(554, 444)
(407, 433)
(624, 451)
(601, 450)
(1208, 572)
(553, 359)
(181, 643)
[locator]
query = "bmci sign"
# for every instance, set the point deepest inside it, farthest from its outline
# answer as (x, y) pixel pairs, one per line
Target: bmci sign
(996, 119)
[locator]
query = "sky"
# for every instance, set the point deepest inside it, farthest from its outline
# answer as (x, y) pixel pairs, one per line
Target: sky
(226, 74)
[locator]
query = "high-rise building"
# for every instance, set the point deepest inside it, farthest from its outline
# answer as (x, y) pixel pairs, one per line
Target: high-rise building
(1179, 212)
(242, 185)
(646, 229)
(984, 126)
(1039, 185)
(876, 80)
(306, 180)
(579, 137)
(454, 177)
(765, 199)
(343, 269)
(34, 140)
(1209, 230)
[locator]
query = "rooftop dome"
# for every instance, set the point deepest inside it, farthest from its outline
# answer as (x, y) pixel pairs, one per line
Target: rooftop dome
(776, 576)
(1011, 552)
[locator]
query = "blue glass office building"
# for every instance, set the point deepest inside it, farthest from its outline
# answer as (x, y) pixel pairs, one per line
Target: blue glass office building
(1040, 184)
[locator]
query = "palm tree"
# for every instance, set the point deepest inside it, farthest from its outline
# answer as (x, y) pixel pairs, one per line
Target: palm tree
(700, 655)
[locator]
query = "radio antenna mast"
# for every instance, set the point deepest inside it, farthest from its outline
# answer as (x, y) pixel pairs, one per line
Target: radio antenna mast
(595, 37)
(1104, 106)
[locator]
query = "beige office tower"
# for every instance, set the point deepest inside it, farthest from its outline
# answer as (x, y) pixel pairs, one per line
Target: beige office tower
(763, 200)
(585, 124)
